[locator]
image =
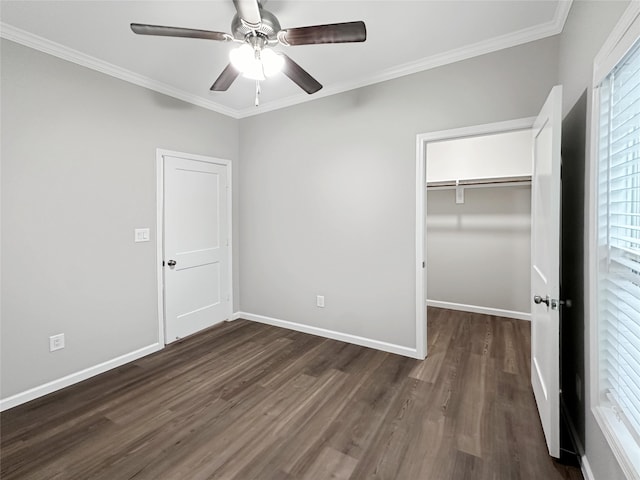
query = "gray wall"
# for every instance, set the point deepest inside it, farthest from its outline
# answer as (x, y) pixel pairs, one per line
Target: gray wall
(479, 252)
(78, 175)
(588, 25)
(327, 193)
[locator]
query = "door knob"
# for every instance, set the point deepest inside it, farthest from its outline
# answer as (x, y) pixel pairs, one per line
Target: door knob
(171, 263)
(538, 299)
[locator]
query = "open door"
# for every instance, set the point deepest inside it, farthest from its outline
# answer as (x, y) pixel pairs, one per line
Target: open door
(545, 267)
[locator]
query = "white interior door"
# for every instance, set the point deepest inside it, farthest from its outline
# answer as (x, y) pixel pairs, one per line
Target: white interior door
(545, 267)
(196, 245)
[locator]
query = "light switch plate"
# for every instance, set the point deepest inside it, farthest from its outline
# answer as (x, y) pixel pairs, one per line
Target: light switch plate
(141, 235)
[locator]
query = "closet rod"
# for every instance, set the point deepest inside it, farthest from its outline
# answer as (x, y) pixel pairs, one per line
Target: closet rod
(518, 180)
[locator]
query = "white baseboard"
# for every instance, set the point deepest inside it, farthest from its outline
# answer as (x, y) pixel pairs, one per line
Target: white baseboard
(587, 473)
(476, 309)
(60, 383)
(322, 332)
(234, 316)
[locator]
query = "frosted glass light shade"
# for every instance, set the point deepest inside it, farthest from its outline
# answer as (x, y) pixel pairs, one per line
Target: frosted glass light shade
(272, 63)
(244, 60)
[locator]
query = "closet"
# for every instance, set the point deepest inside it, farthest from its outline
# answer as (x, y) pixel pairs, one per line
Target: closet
(478, 223)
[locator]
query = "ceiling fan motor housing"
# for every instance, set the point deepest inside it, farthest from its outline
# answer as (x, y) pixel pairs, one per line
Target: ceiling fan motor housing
(269, 27)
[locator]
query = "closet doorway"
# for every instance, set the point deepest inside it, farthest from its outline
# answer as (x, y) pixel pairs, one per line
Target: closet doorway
(465, 171)
(478, 224)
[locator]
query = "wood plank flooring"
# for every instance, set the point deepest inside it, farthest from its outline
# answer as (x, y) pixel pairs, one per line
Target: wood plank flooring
(249, 401)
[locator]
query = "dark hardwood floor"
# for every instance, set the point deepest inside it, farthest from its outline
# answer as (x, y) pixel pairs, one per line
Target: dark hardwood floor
(249, 401)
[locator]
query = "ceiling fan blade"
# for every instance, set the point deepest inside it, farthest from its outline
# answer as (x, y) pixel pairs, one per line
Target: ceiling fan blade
(300, 76)
(249, 12)
(226, 78)
(142, 29)
(331, 33)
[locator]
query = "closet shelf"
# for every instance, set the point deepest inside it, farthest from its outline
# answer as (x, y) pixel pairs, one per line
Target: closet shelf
(480, 182)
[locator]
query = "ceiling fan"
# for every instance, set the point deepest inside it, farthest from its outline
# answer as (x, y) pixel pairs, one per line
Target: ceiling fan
(258, 30)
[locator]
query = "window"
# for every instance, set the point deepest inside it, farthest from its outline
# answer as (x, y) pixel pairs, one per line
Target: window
(619, 237)
(618, 254)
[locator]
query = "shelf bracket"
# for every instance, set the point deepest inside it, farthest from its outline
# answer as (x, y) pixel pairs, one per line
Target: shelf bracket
(459, 193)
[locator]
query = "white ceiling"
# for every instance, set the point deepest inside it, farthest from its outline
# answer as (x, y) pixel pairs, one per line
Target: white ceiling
(403, 37)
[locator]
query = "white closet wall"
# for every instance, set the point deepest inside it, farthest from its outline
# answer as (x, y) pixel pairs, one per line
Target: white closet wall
(487, 156)
(478, 252)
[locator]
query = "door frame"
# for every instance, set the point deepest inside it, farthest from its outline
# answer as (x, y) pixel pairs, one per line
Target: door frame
(422, 139)
(160, 154)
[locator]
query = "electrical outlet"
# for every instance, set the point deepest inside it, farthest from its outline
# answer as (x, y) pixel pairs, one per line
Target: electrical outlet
(320, 301)
(56, 342)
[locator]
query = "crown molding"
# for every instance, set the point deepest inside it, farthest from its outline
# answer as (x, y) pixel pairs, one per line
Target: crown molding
(562, 12)
(548, 29)
(553, 27)
(36, 42)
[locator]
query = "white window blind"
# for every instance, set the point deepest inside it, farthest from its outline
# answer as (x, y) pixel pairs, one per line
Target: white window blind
(619, 239)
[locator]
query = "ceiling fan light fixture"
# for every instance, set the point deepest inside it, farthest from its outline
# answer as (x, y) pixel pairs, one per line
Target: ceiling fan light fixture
(256, 63)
